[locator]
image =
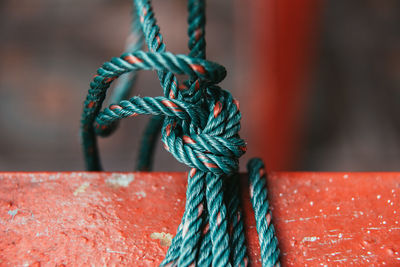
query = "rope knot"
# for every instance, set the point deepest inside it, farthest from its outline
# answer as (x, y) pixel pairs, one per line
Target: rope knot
(213, 145)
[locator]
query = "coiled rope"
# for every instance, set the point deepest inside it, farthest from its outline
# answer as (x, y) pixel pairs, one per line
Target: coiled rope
(199, 122)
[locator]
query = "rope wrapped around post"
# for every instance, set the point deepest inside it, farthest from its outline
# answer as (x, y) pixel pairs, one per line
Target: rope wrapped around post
(200, 125)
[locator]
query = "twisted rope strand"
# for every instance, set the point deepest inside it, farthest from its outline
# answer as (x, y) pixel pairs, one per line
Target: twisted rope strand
(258, 197)
(236, 227)
(218, 221)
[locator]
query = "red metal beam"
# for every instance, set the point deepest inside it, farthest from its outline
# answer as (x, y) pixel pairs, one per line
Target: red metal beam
(67, 219)
(283, 37)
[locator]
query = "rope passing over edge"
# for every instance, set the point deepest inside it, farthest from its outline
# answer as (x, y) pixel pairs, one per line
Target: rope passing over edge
(200, 125)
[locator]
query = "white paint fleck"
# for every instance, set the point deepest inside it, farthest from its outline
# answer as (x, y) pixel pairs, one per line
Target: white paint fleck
(141, 194)
(311, 203)
(392, 190)
(361, 213)
(345, 176)
(378, 197)
(388, 201)
(337, 208)
(320, 210)
(384, 222)
(280, 194)
(310, 238)
(330, 180)
(113, 251)
(340, 235)
(12, 213)
(352, 198)
(120, 180)
(82, 188)
(326, 189)
(368, 232)
(391, 204)
(295, 191)
(369, 252)
(105, 199)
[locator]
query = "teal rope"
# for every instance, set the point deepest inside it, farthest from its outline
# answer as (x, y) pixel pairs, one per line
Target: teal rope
(258, 197)
(124, 85)
(199, 122)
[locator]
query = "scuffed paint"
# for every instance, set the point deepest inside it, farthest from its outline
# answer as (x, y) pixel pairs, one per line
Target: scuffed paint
(120, 180)
(165, 238)
(82, 188)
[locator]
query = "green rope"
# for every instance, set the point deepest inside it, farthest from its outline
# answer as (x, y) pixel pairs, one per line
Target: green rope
(199, 122)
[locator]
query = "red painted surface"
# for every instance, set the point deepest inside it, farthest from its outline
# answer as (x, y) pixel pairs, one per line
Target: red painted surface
(56, 219)
(283, 37)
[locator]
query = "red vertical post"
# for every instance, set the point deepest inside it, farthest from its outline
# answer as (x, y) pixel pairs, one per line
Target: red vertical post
(282, 40)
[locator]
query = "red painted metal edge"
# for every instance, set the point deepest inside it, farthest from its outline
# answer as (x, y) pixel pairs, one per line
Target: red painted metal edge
(68, 219)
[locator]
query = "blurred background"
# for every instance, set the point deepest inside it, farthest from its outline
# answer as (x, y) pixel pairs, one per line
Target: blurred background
(318, 81)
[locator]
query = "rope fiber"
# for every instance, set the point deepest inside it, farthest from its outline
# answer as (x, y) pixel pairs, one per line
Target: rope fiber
(199, 122)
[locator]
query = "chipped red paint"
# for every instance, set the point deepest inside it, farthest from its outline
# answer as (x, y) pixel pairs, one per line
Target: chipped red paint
(107, 218)
(133, 60)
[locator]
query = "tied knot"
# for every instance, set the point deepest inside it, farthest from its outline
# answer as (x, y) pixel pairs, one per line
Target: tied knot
(201, 120)
(211, 142)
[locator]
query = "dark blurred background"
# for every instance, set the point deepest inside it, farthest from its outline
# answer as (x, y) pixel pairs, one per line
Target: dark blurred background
(318, 81)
